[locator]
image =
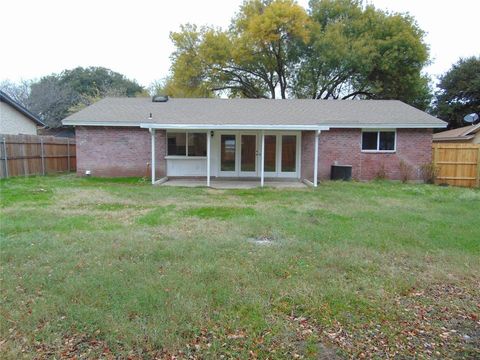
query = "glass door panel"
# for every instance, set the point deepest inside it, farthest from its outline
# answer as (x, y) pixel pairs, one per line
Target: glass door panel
(289, 153)
(248, 153)
(270, 164)
(228, 145)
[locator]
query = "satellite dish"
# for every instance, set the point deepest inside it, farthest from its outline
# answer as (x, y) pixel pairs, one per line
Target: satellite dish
(471, 118)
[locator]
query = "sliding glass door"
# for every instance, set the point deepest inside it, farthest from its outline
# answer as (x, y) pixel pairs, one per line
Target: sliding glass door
(270, 159)
(248, 155)
(228, 158)
(240, 155)
(281, 155)
(289, 154)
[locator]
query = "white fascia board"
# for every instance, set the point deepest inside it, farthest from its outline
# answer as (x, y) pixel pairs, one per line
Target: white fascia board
(388, 126)
(102, 123)
(232, 127)
(323, 127)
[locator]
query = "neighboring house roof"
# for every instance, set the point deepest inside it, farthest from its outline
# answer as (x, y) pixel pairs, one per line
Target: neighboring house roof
(258, 113)
(7, 99)
(62, 131)
(460, 134)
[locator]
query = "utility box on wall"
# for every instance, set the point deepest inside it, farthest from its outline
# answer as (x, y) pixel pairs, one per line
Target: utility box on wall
(341, 172)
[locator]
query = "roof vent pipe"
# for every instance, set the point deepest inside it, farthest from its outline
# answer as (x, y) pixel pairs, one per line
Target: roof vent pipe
(160, 98)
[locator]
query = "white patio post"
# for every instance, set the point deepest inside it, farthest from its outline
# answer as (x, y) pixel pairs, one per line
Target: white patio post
(152, 133)
(315, 164)
(262, 159)
(208, 157)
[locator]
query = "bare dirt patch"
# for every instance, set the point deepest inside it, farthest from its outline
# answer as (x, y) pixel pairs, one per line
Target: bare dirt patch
(83, 197)
(263, 240)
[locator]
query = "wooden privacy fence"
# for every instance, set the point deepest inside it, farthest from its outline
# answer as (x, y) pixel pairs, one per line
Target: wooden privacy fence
(457, 164)
(36, 155)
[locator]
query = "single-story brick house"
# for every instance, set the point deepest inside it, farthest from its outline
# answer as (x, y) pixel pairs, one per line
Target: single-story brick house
(250, 138)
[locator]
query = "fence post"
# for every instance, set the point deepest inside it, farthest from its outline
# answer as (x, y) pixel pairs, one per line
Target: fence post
(24, 156)
(5, 158)
(68, 154)
(478, 167)
(43, 156)
(435, 161)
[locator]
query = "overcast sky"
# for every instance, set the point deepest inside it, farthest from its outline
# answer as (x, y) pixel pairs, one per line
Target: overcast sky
(131, 37)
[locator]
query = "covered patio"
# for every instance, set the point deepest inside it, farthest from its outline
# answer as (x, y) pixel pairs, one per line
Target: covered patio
(239, 156)
(233, 183)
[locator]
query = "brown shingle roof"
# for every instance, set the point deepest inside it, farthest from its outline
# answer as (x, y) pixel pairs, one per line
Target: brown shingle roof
(346, 113)
(463, 133)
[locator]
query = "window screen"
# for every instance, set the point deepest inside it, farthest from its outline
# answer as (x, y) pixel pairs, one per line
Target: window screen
(369, 140)
(177, 144)
(197, 144)
(387, 140)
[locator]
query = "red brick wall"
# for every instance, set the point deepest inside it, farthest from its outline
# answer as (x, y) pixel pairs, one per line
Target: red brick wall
(306, 164)
(118, 151)
(111, 151)
(344, 146)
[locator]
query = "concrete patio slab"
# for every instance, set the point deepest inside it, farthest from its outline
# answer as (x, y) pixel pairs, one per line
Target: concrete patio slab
(233, 184)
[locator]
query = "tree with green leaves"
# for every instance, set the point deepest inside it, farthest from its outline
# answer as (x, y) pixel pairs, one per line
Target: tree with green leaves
(99, 81)
(364, 52)
(55, 96)
(459, 93)
(339, 49)
(253, 58)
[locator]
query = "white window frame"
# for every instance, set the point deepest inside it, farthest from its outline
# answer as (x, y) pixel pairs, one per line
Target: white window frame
(378, 131)
(186, 156)
(274, 174)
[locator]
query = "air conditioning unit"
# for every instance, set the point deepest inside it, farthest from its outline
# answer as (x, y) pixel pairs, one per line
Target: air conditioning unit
(341, 172)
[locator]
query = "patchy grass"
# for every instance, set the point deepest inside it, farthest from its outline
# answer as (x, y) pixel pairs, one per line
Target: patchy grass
(219, 212)
(157, 216)
(100, 267)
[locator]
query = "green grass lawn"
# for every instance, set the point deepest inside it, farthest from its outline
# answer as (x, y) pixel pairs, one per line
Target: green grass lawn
(116, 267)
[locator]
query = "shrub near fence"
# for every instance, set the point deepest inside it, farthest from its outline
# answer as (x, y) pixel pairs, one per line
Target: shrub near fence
(22, 155)
(457, 164)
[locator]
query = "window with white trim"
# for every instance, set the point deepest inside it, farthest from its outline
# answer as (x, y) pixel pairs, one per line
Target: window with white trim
(188, 144)
(381, 140)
